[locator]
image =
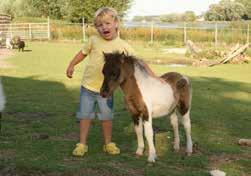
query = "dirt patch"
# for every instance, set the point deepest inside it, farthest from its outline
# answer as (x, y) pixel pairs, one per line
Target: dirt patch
(91, 172)
(122, 169)
(12, 171)
(73, 136)
(216, 160)
(127, 170)
(5, 53)
(30, 115)
(7, 154)
(163, 61)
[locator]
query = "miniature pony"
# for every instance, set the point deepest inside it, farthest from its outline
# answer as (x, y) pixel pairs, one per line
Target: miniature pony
(148, 96)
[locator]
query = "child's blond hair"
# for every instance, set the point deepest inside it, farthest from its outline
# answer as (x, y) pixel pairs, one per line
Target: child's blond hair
(106, 11)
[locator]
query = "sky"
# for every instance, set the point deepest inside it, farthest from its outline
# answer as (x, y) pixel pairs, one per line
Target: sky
(159, 7)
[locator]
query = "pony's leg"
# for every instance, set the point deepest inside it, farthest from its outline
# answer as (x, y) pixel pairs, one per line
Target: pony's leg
(187, 125)
(149, 137)
(139, 133)
(175, 125)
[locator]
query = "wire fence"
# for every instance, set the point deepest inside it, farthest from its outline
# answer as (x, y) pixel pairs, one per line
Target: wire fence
(167, 33)
(26, 30)
(171, 33)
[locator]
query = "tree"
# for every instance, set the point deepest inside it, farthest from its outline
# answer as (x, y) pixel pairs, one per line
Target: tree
(188, 16)
(247, 5)
(226, 10)
(71, 10)
(6, 7)
(172, 17)
(77, 9)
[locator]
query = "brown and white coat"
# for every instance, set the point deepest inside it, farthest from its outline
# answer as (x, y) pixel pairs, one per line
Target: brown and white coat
(148, 96)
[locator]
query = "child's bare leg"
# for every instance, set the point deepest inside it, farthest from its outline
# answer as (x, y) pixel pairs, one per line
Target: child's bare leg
(81, 147)
(109, 147)
(107, 130)
(84, 126)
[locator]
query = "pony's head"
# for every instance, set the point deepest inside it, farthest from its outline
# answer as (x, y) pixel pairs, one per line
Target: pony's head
(114, 71)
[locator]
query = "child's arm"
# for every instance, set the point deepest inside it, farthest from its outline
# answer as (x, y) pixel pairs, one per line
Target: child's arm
(78, 58)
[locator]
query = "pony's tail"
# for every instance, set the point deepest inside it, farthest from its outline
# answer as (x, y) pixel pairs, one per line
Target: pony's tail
(183, 83)
(185, 90)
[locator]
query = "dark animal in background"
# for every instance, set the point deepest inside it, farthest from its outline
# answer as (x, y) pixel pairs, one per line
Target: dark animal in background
(20, 44)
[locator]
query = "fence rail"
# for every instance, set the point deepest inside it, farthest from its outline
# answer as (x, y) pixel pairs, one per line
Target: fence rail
(5, 18)
(215, 29)
(166, 32)
(29, 31)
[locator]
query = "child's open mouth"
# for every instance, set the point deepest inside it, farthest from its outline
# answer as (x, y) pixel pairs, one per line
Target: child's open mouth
(106, 32)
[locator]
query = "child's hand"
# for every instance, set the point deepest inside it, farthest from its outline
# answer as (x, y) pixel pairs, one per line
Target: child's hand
(69, 71)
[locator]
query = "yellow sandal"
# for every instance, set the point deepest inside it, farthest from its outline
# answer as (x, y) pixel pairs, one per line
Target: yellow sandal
(111, 148)
(80, 149)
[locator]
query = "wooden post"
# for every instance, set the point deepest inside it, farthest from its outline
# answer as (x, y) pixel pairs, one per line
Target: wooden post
(185, 33)
(84, 37)
(151, 33)
(216, 35)
(30, 33)
(48, 28)
(11, 34)
(248, 34)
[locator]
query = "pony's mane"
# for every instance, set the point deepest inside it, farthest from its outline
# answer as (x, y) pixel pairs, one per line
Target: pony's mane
(131, 59)
(137, 62)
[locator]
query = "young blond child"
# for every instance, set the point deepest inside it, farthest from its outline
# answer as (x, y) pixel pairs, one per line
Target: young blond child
(106, 22)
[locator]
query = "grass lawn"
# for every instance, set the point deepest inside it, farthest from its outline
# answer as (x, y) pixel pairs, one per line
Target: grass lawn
(39, 129)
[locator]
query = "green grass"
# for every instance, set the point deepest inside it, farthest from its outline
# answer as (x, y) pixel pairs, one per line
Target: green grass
(42, 101)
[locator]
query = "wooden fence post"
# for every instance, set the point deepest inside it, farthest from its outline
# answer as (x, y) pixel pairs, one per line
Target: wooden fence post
(11, 34)
(151, 33)
(30, 33)
(84, 37)
(185, 33)
(48, 28)
(248, 34)
(216, 35)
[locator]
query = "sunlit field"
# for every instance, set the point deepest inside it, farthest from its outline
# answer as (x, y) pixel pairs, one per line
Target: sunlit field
(39, 128)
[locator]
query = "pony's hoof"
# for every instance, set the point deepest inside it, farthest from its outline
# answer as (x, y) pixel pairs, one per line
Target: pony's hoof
(137, 155)
(176, 148)
(140, 151)
(152, 158)
(189, 153)
(150, 164)
(151, 161)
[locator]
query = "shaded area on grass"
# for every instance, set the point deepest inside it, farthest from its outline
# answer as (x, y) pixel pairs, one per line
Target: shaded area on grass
(219, 115)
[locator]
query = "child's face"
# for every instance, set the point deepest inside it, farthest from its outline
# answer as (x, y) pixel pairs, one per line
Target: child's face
(107, 27)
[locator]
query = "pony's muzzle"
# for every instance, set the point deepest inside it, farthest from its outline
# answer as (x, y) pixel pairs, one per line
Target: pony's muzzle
(104, 93)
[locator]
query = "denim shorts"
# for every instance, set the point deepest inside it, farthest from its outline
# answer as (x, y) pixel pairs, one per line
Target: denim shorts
(90, 102)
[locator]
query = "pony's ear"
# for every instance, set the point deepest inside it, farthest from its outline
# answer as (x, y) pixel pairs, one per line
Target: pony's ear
(126, 53)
